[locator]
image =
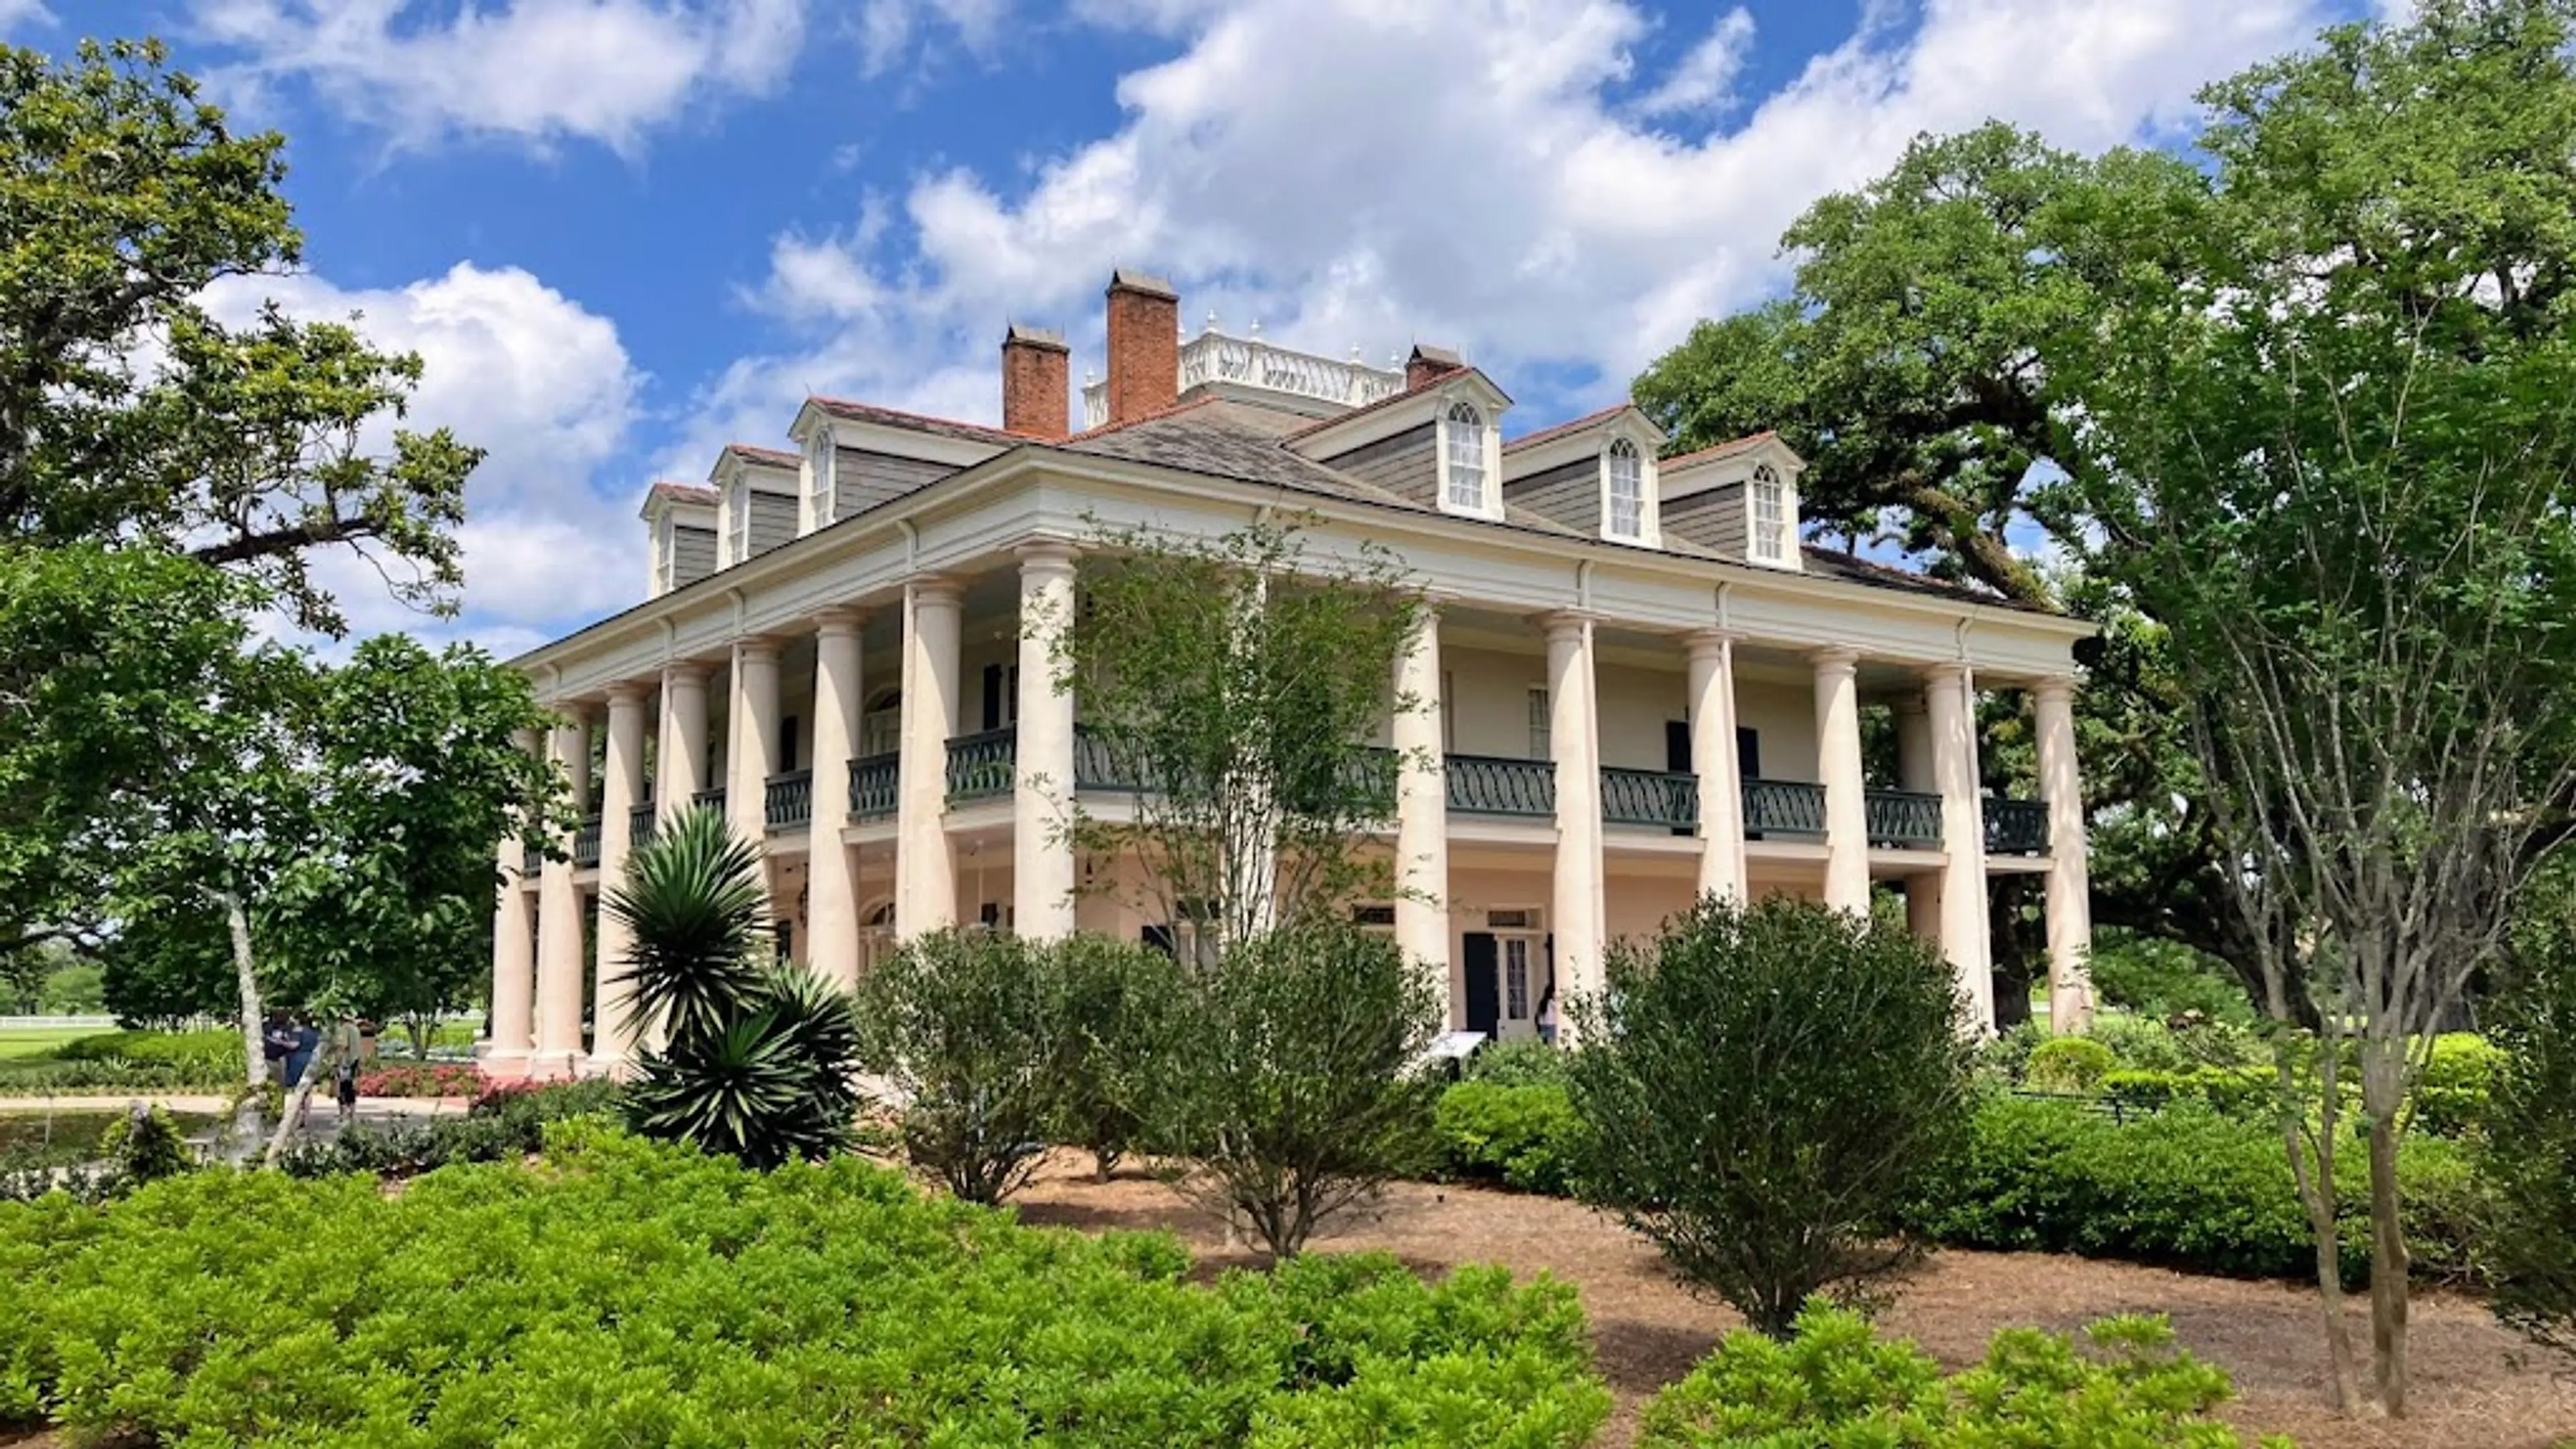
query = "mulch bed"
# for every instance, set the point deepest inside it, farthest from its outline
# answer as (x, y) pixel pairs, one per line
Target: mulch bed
(2475, 1384)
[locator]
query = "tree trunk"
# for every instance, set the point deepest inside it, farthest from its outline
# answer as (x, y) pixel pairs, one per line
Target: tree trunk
(2389, 1260)
(2317, 1193)
(246, 1121)
(293, 1116)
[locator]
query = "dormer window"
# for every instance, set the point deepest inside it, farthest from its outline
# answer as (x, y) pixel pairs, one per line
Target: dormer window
(738, 523)
(1770, 515)
(665, 565)
(1463, 467)
(821, 458)
(1623, 482)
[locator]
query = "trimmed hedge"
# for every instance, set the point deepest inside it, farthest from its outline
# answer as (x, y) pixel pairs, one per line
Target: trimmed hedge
(1516, 1136)
(1835, 1382)
(2183, 1188)
(625, 1292)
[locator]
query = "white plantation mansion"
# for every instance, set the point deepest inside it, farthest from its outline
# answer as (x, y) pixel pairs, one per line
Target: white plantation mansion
(1638, 686)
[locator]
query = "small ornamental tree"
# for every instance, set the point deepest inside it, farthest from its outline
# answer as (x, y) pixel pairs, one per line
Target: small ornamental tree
(761, 1053)
(967, 1025)
(1236, 684)
(1762, 1088)
(1295, 1087)
(2528, 1157)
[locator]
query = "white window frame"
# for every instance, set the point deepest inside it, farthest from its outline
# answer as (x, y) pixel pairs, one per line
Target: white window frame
(1611, 454)
(1465, 433)
(1767, 538)
(665, 555)
(737, 531)
(1542, 723)
(822, 464)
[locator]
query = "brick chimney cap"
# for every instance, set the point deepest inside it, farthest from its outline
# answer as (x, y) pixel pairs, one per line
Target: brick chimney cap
(1440, 357)
(1022, 335)
(1123, 280)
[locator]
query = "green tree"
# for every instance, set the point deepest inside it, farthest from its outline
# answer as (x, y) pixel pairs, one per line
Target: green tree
(1763, 1088)
(1239, 683)
(2355, 387)
(2527, 1157)
(1119, 1024)
(969, 1028)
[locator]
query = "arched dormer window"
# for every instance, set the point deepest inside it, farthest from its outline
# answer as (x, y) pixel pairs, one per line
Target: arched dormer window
(738, 522)
(821, 462)
(1769, 524)
(1463, 470)
(1623, 482)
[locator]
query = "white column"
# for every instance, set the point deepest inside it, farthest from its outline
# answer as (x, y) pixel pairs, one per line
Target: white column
(751, 739)
(1574, 741)
(1721, 783)
(1914, 772)
(1949, 694)
(1838, 765)
(1422, 815)
(2070, 899)
(614, 1030)
(925, 897)
(683, 761)
(559, 924)
(831, 886)
(1042, 865)
(514, 953)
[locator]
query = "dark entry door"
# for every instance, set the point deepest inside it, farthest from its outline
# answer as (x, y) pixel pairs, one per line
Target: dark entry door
(1484, 1001)
(1677, 761)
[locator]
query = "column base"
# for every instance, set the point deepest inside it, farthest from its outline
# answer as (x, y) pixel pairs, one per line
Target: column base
(503, 1066)
(557, 1066)
(617, 1066)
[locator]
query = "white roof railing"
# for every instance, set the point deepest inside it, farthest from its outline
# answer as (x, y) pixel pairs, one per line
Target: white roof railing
(1213, 356)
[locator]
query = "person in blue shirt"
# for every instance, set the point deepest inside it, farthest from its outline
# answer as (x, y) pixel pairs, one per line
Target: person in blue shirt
(308, 1038)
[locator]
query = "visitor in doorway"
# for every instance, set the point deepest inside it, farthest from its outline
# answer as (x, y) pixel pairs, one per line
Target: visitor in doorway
(1547, 1015)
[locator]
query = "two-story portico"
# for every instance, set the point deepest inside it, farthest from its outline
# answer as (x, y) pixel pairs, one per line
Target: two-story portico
(1636, 685)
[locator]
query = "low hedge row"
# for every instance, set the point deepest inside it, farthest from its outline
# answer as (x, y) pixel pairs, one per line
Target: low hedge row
(628, 1293)
(120, 1061)
(2185, 1187)
(503, 1125)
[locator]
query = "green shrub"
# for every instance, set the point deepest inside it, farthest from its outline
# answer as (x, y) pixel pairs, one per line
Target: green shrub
(1296, 1086)
(1762, 1089)
(2068, 1064)
(1520, 1136)
(968, 1026)
(216, 1051)
(1527, 1062)
(2151, 1045)
(2182, 1188)
(2451, 1094)
(1116, 1019)
(2161, 980)
(629, 1292)
(2248, 1092)
(504, 1125)
(145, 1146)
(2007, 1053)
(1835, 1382)
(2527, 1159)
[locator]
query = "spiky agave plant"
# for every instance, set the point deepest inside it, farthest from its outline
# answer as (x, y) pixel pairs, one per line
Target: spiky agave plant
(760, 1055)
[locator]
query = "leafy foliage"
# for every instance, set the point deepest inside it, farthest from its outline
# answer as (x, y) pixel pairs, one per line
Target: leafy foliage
(1239, 682)
(1833, 1381)
(2069, 1064)
(2529, 1157)
(1295, 1088)
(1525, 1137)
(1119, 1008)
(760, 1056)
(502, 1126)
(627, 1292)
(969, 1027)
(1763, 1087)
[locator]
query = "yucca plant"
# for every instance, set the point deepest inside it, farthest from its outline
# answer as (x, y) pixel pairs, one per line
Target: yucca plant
(760, 1052)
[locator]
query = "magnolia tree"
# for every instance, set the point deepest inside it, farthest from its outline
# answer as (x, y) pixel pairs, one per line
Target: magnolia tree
(1236, 685)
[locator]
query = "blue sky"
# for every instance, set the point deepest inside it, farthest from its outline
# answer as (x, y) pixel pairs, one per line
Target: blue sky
(622, 232)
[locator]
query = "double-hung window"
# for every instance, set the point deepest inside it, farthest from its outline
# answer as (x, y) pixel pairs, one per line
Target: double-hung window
(1624, 481)
(1464, 469)
(738, 523)
(1770, 522)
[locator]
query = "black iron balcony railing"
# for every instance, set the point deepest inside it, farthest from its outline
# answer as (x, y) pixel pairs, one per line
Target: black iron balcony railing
(874, 781)
(585, 843)
(1903, 819)
(639, 825)
(1783, 807)
(1095, 766)
(980, 766)
(1491, 785)
(709, 800)
(2016, 827)
(1649, 797)
(787, 800)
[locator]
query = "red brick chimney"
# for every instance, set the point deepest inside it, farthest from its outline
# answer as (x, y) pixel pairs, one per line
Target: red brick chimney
(1144, 346)
(1037, 371)
(1429, 362)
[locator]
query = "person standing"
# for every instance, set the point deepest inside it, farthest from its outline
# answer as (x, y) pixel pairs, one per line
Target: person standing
(348, 1053)
(306, 1039)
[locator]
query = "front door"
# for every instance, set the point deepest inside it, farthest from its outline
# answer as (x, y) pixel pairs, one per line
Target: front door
(1484, 995)
(1521, 963)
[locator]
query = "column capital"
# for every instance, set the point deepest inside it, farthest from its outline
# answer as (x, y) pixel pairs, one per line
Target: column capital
(683, 671)
(1948, 671)
(1710, 642)
(2053, 689)
(935, 589)
(755, 646)
(1561, 622)
(1045, 556)
(1835, 659)
(839, 620)
(628, 692)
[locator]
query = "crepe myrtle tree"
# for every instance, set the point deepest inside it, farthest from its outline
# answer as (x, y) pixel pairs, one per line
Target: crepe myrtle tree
(1237, 684)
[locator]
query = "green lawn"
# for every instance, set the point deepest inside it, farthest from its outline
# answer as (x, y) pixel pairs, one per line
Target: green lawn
(35, 1041)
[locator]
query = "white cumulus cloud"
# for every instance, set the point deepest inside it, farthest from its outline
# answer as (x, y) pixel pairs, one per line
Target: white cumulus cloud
(535, 71)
